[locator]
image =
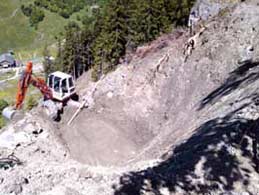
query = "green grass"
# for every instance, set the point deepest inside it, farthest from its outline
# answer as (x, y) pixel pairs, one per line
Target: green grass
(27, 42)
(14, 27)
(8, 92)
(7, 8)
(8, 89)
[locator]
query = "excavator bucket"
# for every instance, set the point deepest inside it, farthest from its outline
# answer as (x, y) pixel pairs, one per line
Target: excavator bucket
(8, 113)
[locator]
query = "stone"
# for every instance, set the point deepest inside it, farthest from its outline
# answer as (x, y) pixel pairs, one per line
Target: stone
(9, 139)
(70, 191)
(15, 188)
(110, 94)
(85, 173)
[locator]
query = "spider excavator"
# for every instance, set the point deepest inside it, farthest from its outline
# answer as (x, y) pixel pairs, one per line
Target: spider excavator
(56, 92)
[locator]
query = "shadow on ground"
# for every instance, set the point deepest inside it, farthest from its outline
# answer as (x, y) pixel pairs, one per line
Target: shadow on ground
(243, 75)
(204, 163)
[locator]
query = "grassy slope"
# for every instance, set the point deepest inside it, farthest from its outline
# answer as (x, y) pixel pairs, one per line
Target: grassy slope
(8, 92)
(14, 27)
(16, 33)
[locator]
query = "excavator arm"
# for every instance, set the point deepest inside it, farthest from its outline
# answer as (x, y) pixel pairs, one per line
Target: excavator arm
(42, 86)
(25, 80)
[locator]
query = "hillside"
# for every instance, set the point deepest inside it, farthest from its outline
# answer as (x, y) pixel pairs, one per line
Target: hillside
(27, 42)
(158, 125)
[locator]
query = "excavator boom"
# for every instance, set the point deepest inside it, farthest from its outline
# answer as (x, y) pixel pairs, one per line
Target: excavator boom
(23, 85)
(42, 86)
(25, 80)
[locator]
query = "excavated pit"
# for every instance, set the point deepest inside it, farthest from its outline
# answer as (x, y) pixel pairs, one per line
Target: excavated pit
(143, 109)
(103, 138)
(100, 143)
(140, 109)
(131, 111)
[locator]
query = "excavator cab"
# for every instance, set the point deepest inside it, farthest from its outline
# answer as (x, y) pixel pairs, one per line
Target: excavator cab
(62, 85)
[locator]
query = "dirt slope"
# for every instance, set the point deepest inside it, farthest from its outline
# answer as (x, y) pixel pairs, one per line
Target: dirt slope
(152, 110)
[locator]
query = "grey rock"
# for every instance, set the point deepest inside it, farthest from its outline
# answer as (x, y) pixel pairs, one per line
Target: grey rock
(15, 188)
(70, 191)
(207, 8)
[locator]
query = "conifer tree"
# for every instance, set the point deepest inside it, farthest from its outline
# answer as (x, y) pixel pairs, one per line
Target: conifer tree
(115, 26)
(182, 11)
(47, 63)
(58, 60)
(110, 45)
(70, 51)
(86, 51)
(148, 19)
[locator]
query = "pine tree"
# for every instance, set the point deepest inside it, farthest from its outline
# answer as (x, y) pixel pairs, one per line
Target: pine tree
(110, 44)
(182, 11)
(86, 50)
(47, 63)
(113, 28)
(170, 7)
(148, 19)
(71, 55)
(59, 58)
(99, 55)
(161, 18)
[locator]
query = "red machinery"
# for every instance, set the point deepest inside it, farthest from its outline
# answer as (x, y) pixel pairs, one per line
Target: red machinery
(25, 80)
(59, 89)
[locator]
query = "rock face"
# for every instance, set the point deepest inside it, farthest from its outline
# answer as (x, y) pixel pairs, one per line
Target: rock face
(157, 125)
(207, 9)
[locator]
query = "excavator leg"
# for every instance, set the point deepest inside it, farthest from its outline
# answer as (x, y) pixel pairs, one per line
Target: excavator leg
(20, 96)
(9, 112)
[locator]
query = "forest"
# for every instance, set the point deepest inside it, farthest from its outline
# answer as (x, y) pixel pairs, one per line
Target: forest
(64, 8)
(119, 26)
(35, 14)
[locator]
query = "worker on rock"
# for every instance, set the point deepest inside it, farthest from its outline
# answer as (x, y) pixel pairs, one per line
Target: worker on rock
(188, 48)
(190, 45)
